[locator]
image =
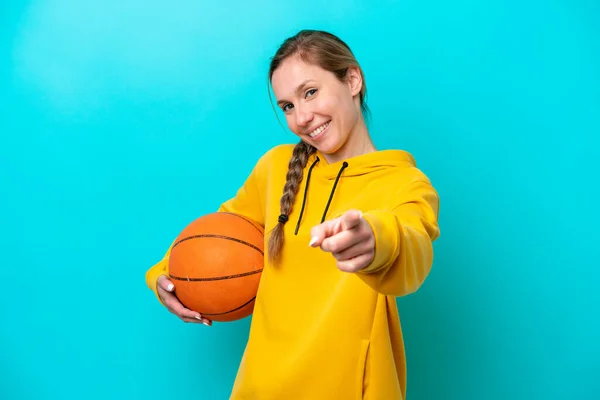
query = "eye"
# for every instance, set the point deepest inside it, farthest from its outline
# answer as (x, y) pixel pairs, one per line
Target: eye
(286, 107)
(310, 92)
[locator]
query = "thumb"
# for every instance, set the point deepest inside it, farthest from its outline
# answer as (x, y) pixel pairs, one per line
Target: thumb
(350, 219)
(165, 283)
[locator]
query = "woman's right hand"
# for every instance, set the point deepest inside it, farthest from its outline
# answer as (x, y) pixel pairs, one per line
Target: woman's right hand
(165, 290)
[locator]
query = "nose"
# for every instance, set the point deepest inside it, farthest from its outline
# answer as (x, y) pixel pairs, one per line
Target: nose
(303, 117)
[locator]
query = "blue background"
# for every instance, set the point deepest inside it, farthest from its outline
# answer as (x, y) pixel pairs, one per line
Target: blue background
(121, 121)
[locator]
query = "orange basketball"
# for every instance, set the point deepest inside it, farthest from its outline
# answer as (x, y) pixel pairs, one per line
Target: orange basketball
(216, 263)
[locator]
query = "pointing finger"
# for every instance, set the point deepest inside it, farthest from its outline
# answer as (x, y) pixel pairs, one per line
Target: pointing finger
(322, 231)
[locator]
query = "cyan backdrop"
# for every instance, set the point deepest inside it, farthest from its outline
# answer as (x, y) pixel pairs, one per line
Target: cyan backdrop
(121, 121)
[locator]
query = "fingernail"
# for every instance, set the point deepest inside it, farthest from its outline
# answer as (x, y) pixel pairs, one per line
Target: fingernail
(360, 214)
(313, 241)
(205, 323)
(170, 287)
(198, 317)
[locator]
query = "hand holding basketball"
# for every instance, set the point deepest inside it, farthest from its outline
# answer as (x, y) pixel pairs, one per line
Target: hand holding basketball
(348, 238)
(172, 303)
(215, 265)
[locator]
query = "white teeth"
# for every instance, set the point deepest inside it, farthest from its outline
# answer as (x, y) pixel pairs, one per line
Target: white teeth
(318, 130)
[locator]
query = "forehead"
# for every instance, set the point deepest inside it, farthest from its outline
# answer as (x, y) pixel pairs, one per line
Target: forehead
(292, 72)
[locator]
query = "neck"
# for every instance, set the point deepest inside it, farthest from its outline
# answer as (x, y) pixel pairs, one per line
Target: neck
(359, 142)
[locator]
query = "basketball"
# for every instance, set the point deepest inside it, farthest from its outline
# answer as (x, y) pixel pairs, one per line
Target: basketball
(215, 265)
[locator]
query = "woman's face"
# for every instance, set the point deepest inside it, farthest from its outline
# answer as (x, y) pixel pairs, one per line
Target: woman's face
(319, 108)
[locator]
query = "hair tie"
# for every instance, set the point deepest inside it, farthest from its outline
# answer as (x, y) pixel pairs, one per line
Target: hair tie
(283, 218)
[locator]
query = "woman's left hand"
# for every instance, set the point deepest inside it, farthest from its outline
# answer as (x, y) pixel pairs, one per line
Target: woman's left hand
(348, 238)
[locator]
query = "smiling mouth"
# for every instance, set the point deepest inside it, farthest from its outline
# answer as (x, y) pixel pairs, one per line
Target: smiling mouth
(319, 130)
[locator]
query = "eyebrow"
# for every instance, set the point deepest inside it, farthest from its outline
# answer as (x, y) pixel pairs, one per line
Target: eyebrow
(298, 90)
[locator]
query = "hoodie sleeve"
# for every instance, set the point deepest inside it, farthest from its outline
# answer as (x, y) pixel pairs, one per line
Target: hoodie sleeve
(246, 202)
(158, 269)
(404, 238)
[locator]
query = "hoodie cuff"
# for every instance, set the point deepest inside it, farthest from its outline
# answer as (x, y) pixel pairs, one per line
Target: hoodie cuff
(152, 276)
(387, 240)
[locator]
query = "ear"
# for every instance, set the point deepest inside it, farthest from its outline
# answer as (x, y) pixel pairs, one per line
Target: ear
(354, 79)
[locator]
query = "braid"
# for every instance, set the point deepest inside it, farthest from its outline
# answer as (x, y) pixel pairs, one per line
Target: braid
(293, 178)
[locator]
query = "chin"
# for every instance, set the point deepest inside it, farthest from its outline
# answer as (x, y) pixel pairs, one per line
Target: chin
(328, 146)
(328, 151)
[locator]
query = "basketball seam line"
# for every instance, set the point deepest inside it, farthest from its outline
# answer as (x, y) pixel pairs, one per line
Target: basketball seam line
(219, 237)
(230, 311)
(216, 278)
(245, 219)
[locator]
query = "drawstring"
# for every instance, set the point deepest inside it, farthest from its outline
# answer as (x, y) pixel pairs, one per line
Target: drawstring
(333, 190)
(305, 191)
(344, 166)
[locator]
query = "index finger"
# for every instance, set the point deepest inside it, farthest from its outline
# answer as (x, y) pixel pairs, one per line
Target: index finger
(347, 221)
(322, 231)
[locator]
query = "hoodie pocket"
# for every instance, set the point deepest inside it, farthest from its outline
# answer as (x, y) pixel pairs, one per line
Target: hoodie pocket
(362, 372)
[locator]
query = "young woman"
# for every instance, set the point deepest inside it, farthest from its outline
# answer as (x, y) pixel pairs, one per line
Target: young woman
(348, 229)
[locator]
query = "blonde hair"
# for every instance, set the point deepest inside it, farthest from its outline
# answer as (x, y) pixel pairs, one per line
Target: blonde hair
(332, 54)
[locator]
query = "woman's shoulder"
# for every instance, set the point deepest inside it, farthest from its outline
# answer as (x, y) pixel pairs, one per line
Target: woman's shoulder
(276, 154)
(281, 151)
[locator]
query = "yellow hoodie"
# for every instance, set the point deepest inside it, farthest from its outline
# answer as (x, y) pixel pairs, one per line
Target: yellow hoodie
(318, 333)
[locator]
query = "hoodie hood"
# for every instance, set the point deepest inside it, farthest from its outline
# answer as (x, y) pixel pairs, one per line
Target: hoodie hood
(362, 165)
